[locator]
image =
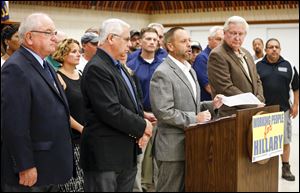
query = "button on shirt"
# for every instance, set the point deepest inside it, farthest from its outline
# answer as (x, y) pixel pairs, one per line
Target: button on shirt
(186, 67)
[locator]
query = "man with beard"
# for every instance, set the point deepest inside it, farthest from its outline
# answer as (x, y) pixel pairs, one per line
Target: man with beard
(175, 102)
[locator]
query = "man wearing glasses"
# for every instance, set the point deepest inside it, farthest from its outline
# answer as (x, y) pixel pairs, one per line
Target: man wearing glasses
(215, 38)
(115, 128)
(231, 69)
(279, 77)
(37, 150)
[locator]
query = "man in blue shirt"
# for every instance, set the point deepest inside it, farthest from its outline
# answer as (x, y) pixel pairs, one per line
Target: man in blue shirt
(200, 65)
(135, 41)
(146, 62)
(144, 66)
(278, 77)
(160, 51)
(196, 50)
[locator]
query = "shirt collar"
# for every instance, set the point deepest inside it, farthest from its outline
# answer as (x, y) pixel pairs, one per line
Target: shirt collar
(37, 57)
(116, 62)
(185, 67)
(240, 54)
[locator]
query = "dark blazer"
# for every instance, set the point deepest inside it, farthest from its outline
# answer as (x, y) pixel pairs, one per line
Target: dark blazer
(35, 123)
(113, 121)
(227, 76)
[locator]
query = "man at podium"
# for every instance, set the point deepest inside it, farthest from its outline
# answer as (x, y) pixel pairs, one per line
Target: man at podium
(231, 69)
(175, 101)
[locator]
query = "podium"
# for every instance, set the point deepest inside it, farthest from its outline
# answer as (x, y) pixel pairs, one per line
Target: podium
(218, 160)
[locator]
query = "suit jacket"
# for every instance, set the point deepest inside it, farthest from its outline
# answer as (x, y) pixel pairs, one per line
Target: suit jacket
(114, 123)
(35, 122)
(174, 105)
(228, 77)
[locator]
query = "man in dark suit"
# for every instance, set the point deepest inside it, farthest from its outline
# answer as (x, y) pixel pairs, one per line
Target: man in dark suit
(36, 150)
(231, 69)
(115, 128)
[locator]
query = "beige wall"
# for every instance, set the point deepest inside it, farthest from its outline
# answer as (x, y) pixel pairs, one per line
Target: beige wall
(221, 16)
(75, 21)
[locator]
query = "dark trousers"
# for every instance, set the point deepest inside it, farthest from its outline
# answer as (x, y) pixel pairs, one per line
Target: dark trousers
(47, 188)
(109, 181)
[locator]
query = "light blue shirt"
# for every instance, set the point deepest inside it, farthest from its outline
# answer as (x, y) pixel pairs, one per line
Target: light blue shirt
(37, 57)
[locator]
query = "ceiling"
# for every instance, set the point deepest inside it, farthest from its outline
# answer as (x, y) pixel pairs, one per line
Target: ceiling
(164, 7)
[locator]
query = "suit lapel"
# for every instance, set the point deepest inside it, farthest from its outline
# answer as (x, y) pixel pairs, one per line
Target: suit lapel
(133, 87)
(251, 72)
(237, 61)
(37, 66)
(193, 73)
(182, 77)
(110, 64)
(59, 87)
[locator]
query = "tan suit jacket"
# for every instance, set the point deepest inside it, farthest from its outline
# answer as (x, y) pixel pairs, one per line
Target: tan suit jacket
(227, 76)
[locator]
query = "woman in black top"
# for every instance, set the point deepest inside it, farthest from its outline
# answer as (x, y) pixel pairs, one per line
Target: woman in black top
(68, 54)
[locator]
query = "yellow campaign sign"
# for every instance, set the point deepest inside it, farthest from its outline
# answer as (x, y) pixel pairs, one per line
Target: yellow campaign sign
(268, 135)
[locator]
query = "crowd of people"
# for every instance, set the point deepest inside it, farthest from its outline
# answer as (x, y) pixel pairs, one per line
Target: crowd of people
(108, 113)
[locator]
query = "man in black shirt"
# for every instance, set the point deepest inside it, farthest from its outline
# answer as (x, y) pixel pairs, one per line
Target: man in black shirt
(278, 77)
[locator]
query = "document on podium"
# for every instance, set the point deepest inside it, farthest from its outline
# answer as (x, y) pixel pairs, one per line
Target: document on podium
(241, 99)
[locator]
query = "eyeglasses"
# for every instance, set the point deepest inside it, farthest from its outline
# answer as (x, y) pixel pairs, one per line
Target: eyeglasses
(272, 47)
(218, 39)
(48, 33)
(125, 39)
(235, 34)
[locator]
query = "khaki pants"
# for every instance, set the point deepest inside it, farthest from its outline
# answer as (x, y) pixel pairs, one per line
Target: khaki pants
(149, 166)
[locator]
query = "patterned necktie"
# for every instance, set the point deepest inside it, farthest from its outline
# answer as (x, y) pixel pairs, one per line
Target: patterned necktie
(127, 82)
(46, 68)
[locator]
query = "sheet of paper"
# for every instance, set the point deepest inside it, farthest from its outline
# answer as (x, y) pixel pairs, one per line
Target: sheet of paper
(241, 99)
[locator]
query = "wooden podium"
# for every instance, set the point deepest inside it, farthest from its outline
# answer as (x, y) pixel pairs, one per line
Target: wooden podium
(217, 157)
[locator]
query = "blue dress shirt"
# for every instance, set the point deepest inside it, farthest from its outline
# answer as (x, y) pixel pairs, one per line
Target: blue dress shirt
(200, 66)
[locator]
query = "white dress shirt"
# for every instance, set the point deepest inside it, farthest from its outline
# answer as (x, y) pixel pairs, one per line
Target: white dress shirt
(186, 67)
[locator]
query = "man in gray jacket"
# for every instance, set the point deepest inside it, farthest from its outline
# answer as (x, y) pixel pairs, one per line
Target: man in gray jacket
(175, 101)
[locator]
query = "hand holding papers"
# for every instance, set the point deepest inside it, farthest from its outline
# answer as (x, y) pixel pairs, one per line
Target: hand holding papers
(217, 101)
(242, 99)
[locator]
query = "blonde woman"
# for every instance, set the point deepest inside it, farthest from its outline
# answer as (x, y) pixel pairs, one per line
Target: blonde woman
(68, 54)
